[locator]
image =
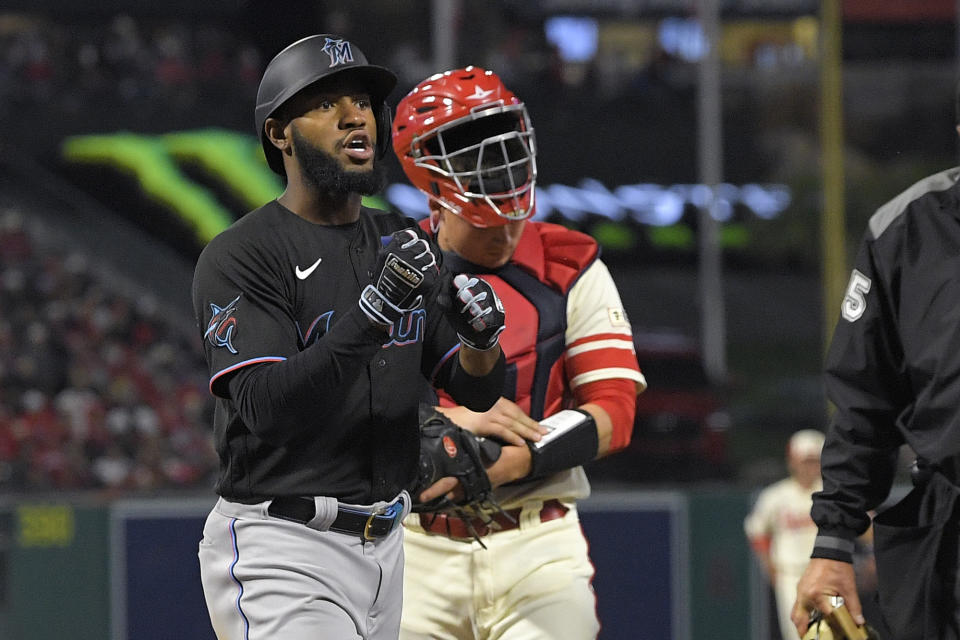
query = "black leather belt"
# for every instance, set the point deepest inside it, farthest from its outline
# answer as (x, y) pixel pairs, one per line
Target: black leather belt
(369, 525)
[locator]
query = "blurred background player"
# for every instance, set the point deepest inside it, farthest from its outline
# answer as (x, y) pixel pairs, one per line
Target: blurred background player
(779, 527)
(467, 142)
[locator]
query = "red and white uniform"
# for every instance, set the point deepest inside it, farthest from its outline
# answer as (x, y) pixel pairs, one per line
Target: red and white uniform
(780, 524)
(567, 342)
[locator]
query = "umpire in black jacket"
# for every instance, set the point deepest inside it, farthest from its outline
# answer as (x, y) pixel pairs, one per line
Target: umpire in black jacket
(893, 373)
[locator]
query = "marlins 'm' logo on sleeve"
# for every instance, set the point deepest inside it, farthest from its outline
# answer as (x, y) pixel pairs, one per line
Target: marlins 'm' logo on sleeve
(222, 325)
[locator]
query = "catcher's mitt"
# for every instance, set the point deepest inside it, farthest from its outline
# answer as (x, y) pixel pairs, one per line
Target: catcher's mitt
(448, 450)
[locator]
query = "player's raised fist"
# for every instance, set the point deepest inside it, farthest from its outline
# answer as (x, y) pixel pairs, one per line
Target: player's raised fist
(406, 268)
(476, 312)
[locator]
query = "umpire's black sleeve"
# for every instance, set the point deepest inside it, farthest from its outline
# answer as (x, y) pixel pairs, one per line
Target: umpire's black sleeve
(865, 381)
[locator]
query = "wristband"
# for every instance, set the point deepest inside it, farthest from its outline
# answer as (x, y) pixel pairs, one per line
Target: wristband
(833, 548)
(379, 308)
(571, 442)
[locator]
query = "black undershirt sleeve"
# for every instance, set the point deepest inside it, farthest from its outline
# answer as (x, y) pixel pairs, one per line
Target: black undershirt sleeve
(477, 393)
(276, 400)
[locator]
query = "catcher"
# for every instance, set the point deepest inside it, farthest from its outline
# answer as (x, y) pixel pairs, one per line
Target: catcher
(511, 562)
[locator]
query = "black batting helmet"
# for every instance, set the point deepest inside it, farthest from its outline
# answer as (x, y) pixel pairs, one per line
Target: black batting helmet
(309, 60)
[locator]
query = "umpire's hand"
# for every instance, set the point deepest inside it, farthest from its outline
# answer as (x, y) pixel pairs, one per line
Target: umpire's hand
(476, 312)
(823, 579)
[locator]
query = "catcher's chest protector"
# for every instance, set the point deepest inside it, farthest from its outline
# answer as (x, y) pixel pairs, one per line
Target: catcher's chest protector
(533, 287)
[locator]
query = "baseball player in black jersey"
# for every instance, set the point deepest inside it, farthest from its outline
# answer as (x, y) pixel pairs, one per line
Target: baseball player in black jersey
(893, 372)
(323, 324)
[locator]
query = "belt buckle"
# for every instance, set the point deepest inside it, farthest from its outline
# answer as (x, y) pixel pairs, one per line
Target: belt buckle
(366, 527)
(390, 512)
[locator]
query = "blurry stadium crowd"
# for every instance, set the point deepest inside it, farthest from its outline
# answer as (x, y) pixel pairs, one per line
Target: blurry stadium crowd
(155, 75)
(163, 67)
(199, 71)
(97, 391)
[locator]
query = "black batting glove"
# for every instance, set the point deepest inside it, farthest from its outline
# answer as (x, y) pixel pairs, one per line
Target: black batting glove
(476, 312)
(406, 269)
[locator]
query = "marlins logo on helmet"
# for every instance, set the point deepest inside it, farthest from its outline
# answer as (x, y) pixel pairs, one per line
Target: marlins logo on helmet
(338, 50)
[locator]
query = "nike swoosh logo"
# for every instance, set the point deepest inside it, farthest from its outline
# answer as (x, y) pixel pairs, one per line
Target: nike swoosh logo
(303, 274)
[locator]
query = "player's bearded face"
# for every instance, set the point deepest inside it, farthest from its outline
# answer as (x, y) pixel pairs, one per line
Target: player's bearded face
(326, 173)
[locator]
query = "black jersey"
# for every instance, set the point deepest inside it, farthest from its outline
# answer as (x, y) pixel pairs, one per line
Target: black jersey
(894, 362)
(335, 412)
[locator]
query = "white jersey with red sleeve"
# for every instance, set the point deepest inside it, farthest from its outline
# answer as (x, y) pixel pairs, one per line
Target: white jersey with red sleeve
(599, 339)
(561, 362)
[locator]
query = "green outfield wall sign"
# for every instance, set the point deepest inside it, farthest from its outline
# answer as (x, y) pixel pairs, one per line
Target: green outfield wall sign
(617, 217)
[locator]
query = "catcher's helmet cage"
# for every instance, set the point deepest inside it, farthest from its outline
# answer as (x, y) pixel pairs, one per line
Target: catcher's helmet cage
(466, 141)
(309, 60)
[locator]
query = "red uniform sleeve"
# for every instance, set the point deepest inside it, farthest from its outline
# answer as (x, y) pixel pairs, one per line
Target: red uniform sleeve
(618, 397)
